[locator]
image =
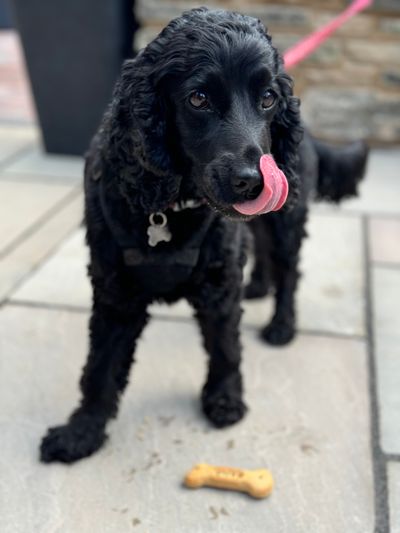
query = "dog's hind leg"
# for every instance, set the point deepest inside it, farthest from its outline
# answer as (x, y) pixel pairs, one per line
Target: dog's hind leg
(288, 230)
(113, 335)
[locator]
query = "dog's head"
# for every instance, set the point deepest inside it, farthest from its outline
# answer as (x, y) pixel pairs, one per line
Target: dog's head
(203, 102)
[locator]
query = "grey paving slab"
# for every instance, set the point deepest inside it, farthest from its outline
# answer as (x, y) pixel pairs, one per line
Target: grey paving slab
(386, 320)
(37, 163)
(25, 204)
(62, 279)
(380, 191)
(308, 423)
(394, 496)
(15, 138)
(16, 265)
(330, 296)
(384, 239)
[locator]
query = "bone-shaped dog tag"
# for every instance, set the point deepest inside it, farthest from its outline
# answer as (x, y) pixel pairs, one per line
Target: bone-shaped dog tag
(158, 230)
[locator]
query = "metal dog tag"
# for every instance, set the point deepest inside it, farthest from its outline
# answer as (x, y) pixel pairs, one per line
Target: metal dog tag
(158, 230)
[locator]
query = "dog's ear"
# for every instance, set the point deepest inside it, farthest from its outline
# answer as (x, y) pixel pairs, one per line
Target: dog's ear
(286, 134)
(139, 116)
(136, 147)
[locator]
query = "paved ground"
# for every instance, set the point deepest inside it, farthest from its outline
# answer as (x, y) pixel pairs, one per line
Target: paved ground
(325, 411)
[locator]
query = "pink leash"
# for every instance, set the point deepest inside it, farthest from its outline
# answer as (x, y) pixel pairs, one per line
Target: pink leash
(306, 46)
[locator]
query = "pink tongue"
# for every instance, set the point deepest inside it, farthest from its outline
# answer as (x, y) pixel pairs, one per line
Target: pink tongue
(274, 193)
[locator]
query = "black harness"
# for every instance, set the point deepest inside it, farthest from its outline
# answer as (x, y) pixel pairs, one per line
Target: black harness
(161, 267)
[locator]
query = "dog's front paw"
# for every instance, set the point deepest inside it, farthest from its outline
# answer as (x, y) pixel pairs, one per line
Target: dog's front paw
(278, 332)
(223, 409)
(77, 439)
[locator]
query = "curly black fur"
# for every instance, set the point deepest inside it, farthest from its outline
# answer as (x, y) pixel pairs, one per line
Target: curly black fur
(154, 149)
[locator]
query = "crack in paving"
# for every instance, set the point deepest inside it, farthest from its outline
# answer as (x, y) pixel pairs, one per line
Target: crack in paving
(45, 217)
(15, 156)
(379, 461)
(173, 318)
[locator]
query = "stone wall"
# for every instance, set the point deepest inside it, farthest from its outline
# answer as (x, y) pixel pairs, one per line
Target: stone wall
(350, 87)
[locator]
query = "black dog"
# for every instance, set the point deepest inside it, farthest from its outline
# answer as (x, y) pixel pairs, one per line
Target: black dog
(179, 146)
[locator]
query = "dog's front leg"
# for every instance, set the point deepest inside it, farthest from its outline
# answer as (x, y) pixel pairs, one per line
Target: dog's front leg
(113, 335)
(222, 394)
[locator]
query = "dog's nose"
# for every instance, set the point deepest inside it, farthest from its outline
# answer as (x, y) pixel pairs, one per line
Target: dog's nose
(248, 182)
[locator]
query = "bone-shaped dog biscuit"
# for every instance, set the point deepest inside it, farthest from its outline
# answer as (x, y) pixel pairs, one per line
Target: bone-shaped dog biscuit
(257, 483)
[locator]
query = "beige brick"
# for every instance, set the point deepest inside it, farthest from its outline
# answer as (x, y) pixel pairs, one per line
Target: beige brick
(360, 25)
(387, 5)
(327, 4)
(390, 77)
(327, 54)
(343, 75)
(145, 35)
(283, 41)
(386, 116)
(390, 25)
(327, 111)
(375, 52)
(278, 16)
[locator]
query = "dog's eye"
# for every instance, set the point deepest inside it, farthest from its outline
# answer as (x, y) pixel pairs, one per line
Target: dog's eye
(268, 99)
(198, 100)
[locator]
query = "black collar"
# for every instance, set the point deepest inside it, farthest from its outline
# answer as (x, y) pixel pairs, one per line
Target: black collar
(165, 253)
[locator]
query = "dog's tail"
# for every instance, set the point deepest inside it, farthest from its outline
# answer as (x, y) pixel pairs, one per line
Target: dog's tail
(340, 169)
